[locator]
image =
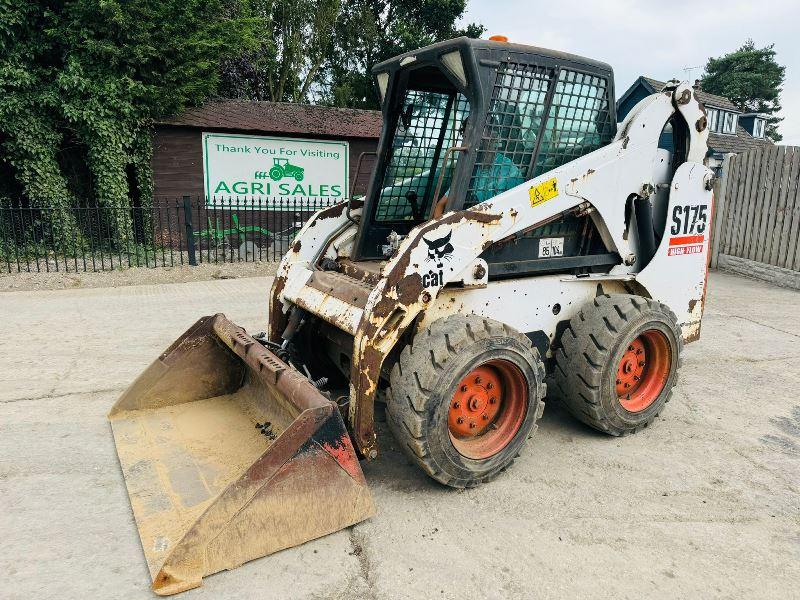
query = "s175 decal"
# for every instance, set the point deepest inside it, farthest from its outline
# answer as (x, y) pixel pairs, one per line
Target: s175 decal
(689, 219)
(688, 228)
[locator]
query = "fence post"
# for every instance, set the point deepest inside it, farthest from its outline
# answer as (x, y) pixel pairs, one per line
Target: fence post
(187, 221)
(720, 206)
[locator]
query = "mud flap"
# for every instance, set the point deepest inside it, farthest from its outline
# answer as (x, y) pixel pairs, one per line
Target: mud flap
(229, 455)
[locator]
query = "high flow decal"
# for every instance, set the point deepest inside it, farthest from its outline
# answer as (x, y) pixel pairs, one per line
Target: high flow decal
(547, 190)
(687, 229)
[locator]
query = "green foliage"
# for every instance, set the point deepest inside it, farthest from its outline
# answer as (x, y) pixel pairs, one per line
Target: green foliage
(324, 50)
(297, 38)
(370, 31)
(81, 82)
(87, 77)
(752, 79)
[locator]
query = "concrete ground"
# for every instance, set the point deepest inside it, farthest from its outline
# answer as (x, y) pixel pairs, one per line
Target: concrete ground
(703, 504)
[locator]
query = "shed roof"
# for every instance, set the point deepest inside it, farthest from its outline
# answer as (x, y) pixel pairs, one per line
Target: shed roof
(281, 117)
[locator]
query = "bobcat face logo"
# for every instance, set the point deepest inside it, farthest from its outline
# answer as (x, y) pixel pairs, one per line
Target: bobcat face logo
(440, 250)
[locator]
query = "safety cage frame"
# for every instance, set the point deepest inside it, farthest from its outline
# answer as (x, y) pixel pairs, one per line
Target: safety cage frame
(478, 77)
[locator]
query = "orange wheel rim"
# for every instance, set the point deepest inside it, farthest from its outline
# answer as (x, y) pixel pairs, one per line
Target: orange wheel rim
(643, 370)
(487, 409)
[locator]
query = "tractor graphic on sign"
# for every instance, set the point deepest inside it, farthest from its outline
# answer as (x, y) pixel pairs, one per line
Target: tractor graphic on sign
(283, 168)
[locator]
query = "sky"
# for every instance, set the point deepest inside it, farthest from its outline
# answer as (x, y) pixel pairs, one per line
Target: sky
(657, 39)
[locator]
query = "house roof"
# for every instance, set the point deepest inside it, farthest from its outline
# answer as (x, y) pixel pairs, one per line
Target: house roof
(719, 142)
(706, 98)
(741, 142)
(281, 117)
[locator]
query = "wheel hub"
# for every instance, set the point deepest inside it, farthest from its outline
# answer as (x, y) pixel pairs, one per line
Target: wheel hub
(487, 409)
(631, 367)
(475, 404)
(643, 370)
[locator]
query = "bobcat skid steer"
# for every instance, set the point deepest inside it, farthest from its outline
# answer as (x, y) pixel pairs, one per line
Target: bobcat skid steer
(511, 233)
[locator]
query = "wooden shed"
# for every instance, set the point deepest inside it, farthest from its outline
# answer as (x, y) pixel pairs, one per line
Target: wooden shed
(178, 168)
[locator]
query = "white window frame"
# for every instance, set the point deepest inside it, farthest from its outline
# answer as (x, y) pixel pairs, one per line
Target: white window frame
(759, 127)
(713, 118)
(730, 122)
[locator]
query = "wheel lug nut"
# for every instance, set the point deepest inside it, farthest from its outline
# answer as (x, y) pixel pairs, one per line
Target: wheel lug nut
(492, 400)
(478, 379)
(618, 381)
(464, 388)
(641, 363)
(636, 378)
(630, 348)
(456, 404)
(489, 385)
(460, 420)
(485, 417)
(472, 425)
(627, 385)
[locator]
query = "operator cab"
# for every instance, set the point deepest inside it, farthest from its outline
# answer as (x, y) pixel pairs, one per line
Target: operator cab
(466, 119)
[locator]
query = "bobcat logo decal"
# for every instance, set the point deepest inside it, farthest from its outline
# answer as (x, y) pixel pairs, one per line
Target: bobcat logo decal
(440, 250)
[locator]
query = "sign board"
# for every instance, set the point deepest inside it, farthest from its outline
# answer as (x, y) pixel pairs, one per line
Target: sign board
(274, 170)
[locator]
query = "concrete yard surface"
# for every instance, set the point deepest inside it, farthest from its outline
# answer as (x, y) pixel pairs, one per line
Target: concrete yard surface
(705, 503)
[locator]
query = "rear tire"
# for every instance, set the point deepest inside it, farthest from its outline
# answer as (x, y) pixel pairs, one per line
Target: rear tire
(618, 362)
(464, 397)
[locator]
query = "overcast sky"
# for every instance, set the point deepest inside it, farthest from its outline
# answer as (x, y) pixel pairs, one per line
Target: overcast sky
(658, 39)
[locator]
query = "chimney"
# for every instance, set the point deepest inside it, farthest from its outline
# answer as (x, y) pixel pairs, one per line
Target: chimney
(696, 85)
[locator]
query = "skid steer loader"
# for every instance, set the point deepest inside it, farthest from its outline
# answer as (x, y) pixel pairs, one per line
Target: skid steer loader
(511, 235)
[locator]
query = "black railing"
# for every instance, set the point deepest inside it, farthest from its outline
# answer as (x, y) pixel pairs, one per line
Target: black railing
(169, 232)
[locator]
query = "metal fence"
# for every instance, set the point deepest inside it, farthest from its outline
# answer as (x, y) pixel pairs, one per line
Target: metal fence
(757, 218)
(168, 232)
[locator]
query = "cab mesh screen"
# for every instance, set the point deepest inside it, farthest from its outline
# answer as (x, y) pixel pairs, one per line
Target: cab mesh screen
(515, 116)
(578, 121)
(429, 123)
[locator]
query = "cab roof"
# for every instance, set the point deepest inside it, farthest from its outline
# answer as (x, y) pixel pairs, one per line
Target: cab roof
(493, 50)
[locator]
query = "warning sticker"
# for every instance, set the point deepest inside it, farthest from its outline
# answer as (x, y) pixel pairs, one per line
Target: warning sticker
(551, 247)
(547, 190)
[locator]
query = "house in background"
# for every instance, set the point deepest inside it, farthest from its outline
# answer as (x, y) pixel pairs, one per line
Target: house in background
(730, 130)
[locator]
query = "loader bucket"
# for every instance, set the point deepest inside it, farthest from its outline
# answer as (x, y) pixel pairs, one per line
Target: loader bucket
(228, 455)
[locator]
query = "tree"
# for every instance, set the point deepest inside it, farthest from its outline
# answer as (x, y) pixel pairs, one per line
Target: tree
(85, 78)
(297, 37)
(324, 50)
(370, 31)
(752, 79)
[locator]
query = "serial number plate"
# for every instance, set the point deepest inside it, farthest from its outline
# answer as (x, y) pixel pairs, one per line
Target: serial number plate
(551, 247)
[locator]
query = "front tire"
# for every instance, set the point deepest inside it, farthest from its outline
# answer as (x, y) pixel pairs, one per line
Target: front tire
(464, 397)
(618, 362)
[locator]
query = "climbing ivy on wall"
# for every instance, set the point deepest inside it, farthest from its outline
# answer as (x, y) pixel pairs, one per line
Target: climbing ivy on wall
(81, 82)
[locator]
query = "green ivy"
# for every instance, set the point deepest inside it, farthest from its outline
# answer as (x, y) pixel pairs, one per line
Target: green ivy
(90, 77)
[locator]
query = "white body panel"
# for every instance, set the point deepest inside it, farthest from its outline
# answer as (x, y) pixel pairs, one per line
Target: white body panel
(437, 269)
(525, 307)
(604, 179)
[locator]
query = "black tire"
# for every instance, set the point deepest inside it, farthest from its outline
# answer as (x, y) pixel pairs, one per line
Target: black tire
(591, 350)
(424, 380)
